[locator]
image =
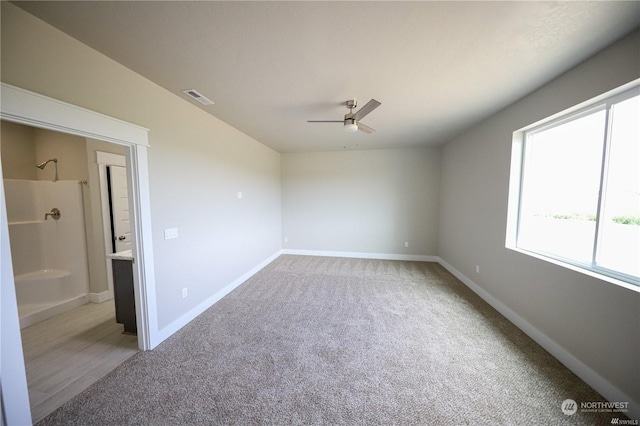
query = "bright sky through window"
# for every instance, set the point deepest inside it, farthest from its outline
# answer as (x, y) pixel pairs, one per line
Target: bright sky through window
(580, 188)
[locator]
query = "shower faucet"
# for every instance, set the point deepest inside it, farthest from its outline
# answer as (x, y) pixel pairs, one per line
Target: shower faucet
(55, 214)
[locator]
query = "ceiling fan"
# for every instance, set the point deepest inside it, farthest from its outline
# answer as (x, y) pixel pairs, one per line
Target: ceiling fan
(351, 120)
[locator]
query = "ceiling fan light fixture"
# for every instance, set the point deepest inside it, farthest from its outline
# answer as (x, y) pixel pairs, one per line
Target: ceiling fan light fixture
(351, 122)
(350, 126)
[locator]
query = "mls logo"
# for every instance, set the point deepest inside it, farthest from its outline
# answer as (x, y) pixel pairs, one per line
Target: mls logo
(569, 407)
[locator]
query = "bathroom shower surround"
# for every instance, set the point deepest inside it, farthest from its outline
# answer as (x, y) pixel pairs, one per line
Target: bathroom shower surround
(49, 256)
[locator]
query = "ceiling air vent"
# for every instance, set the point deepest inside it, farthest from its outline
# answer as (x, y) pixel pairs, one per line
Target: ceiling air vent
(198, 97)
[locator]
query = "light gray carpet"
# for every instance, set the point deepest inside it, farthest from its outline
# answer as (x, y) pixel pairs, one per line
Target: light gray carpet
(312, 340)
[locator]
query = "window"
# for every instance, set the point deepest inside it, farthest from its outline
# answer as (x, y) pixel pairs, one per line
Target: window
(578, 187)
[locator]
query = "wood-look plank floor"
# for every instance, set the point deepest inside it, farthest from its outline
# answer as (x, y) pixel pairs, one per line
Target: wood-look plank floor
(67, 353)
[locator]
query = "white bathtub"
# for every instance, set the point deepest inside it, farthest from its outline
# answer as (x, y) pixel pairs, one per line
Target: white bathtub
(44, 294)
(49, 257)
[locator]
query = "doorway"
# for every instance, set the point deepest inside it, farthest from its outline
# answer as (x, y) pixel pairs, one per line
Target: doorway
(119, 208)
(116, 215)
(71, 336)
(25, 107)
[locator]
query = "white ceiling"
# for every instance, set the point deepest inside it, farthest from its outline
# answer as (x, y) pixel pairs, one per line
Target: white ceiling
(437, 67)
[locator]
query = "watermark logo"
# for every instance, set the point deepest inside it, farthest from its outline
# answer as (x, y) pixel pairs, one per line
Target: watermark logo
(569, 407)
(604, 407)
(619, 421)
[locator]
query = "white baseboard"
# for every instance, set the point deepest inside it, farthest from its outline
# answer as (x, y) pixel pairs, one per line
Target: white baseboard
(50, 312)
(100, 297)
(207, 303)
(588, 375)
(591, 377)
(358, 255)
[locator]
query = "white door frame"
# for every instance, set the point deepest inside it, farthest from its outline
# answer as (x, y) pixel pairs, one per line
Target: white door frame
(105, 159)
(29, 108)
(120, 219)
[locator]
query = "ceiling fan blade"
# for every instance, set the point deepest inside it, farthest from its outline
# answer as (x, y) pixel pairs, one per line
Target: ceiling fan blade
(364, 128)
(325, 121)
(366, 109)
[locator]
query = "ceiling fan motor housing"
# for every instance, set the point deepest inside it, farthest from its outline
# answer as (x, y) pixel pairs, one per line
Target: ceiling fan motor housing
(351, 122)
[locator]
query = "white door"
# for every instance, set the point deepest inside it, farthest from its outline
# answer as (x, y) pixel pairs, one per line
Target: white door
(120, 208)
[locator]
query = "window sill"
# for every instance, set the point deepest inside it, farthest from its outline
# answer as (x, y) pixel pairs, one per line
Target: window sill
(593, 274)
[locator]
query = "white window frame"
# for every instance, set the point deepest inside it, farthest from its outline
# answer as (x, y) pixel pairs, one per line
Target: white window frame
(516, 182)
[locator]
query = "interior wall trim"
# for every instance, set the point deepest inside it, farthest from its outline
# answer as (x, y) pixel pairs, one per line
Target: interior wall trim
(99, 297)
(32, 109)
(26, 107)
(586, 373)
(103, 160)
(362, 255)
(210, 301)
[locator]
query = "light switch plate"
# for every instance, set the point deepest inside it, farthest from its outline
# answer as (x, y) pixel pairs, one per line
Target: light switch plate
(170, 233)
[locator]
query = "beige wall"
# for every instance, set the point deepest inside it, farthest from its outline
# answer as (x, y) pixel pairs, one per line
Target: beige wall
(370, 201)
(24, 147)
(595, 321)
(18, 151)
(197, 163)
(70, 151)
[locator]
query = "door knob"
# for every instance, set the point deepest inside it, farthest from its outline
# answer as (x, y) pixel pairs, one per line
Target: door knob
(122, 238)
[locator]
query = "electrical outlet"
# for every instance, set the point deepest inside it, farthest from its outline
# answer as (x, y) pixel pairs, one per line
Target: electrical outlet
(184, 292)
(286, 240)
(170, 233)
(239, 195)
(406, 243)
(477, 269)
